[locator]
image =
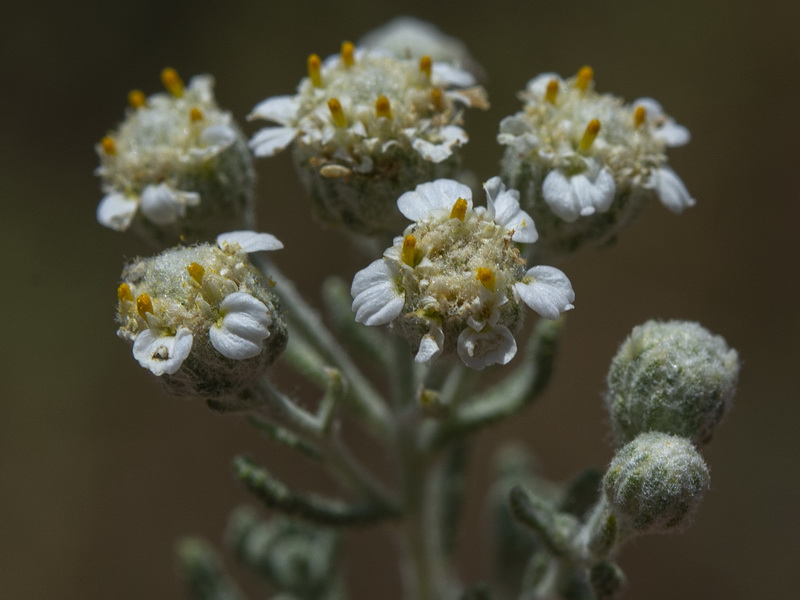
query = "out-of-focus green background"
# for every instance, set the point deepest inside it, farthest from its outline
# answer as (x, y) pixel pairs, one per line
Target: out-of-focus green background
(100, 472)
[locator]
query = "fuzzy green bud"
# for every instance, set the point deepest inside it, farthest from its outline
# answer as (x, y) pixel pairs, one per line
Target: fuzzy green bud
(655, 483)
(675, 377)
(202, 318)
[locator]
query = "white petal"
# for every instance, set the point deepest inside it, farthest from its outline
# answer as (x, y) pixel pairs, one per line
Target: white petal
(376, 299)
(671, 190)
(245, 324)
(446, 74)
(429, 198)
(672, 134)
(546, 290)
(249, 241)
(504, 206)
(431, 345)
(538, 85)
(280, 109)
(271, 140)
(116, 211)
(435, 153)
(490, 346)
(221, 136)
(577, 195)
(162, 353)
(161, 204)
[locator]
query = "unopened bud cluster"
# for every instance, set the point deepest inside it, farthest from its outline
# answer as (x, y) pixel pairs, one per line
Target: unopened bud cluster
(675, 377)
(202, 317)
(367, 126)
(177, 168)
(586, 162)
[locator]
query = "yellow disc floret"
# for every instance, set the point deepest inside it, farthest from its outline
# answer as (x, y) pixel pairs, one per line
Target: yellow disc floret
(196, 271)
(136, 99)
(313, 65)
(383, 108)
(108, 145)
(639, 115)
(552, 91)
(592, 129)
(195, 114)
(172, 82)
(584, 78)
(337, 113)
(346, 53)
(486, 277)
(144, 305)
(459, 210)
(426, 65)
(124, 293)
(408, 253)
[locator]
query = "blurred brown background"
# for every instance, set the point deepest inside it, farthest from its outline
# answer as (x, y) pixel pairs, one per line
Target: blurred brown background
(100, 472)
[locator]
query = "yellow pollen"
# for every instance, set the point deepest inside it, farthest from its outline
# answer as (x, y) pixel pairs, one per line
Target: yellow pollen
(459, 209)
(584, 78)
(195, 114)
(144, 305)
(592, 129)
(108, 145)
(426, 65)
(124, 293)
(172, 81)
(437, 98)
(347, 53)
(408, 253)
(196, 272)
(639, 115)
(337, 113)
(313, 70)
(382, 107)
(552, 91)
(136, 98)
(486, 277)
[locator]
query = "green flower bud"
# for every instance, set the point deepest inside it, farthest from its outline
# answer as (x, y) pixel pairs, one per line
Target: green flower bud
(655, 483)
(675, 377)
(202, 317)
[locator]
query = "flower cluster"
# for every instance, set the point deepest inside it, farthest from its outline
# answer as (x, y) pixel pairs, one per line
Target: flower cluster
(202, 317)
(586, 162)
(366, 126)
(177, 167)
(455, 280)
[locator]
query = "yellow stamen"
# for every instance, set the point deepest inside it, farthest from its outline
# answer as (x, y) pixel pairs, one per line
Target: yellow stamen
(426, 65)
(124, 293)
(196, 272)
(195, 114)
(552, 91)
(438, 98)
(459, 210)
(108, 145)
(486, 277)
(144, 305)
(337, 113)
(408, 253)
(313, 70)
(584, 78)
(136, 99)
(592, 129)
(172, 81)
(347, 53)
(639, 115)
(382, 107)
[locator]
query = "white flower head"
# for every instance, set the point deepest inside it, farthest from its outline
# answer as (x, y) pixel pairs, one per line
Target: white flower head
(177, 166)
(585, 161)
(202, 317)
(455, 282)
(365, 126)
